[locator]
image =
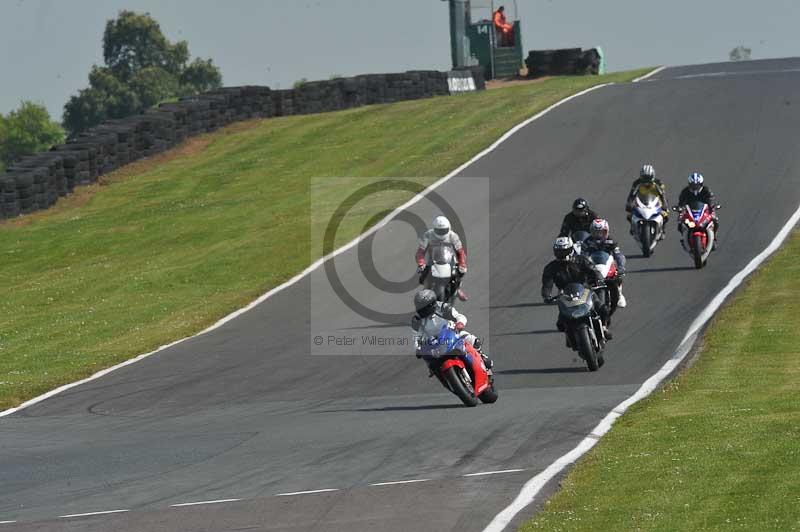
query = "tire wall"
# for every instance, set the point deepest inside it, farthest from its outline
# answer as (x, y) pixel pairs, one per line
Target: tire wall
(564, 62)
(37, 181)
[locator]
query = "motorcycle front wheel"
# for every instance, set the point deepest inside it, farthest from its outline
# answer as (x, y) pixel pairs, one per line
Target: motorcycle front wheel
(697, 254)
(462, 389)
(586, 349)
(644, 238)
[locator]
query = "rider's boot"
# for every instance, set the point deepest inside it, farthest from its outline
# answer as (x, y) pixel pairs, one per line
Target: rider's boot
(462, 295)
(607, 333)
(621, 302)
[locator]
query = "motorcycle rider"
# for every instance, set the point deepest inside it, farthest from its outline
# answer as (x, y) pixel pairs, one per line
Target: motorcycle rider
(570, 267)
(578, 219)
(599, 240)
(696, 190)
(441, 235)
(647, 178)
(432, 314)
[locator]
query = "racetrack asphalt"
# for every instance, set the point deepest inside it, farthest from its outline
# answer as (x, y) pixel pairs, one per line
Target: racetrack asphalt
(247, 412)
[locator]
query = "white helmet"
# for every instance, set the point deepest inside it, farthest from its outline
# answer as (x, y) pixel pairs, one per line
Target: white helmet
(647, 171)
(441, 227)
(563, 248)
(599, 229)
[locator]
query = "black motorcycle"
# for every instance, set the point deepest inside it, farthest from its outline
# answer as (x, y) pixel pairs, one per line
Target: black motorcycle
(581, 322)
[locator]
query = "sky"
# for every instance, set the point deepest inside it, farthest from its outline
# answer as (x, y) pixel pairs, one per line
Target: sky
(48, 46)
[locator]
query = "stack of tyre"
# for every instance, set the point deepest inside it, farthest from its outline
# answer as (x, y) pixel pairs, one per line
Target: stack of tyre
(37, 181)
(563, 62)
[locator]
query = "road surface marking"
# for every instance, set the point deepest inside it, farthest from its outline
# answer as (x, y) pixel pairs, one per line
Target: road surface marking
(393, 482)
(305, 492)
(500, 472)
(651, 73)
(218, 501)
(87, 514)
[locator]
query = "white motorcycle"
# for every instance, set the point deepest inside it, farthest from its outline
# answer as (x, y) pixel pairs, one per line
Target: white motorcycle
(443, 278)
(647, 221)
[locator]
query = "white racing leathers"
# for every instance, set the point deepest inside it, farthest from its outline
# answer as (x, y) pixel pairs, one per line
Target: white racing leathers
(429, 327)
(429, 241)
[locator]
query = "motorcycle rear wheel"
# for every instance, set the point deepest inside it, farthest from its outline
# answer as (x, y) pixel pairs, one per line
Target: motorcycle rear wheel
(489, 395)
(586, 349)
(453, 377)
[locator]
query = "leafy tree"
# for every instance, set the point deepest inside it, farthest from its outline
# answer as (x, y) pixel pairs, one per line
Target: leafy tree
(153, 85)
(26, 131)
(200, 76)
(133, 42)
(142, 68)
(740, 53)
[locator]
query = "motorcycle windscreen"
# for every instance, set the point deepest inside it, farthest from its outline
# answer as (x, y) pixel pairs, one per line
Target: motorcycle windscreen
(575, 302)
(647, 206)
(697, 207)
(602, 261)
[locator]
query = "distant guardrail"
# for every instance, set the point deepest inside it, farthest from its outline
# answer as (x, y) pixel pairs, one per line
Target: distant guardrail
(37, 181)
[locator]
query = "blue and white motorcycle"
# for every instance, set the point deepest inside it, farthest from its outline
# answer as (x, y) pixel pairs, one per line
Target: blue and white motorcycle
(647, 221)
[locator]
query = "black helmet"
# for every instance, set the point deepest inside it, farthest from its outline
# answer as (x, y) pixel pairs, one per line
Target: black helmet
(580, 208)
(563, 248)
(425, 303)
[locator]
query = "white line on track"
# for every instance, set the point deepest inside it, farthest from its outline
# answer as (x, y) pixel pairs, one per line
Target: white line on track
(309, 492)
(649, 74)
(88, 514)
(394, 482)
(532, 488)
(7, 522)
(316, 264)
(500, 472)
(198, 503)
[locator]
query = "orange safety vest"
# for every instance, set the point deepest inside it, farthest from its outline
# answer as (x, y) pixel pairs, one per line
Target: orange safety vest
(500, 21)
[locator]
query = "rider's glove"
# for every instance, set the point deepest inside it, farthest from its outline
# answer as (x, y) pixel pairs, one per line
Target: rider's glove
(459, 326)
(462, 270)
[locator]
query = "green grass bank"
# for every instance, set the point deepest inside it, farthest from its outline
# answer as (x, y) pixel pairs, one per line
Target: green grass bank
(718, 448)
(167, 249)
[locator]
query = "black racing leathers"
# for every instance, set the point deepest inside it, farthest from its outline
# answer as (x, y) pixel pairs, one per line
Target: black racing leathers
(705, 195)
(578, 269)
(572, 223)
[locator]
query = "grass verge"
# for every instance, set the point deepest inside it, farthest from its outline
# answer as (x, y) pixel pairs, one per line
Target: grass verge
(715, 449)
(169, 248)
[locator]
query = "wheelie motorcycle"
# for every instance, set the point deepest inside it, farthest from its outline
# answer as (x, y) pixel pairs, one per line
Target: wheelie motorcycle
(582, 324)
(647, 222)
(605, 264)
(459, 367)
(697, 222)
(442, 274)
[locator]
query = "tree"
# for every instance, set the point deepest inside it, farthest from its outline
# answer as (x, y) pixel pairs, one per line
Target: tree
(133, 42)
(142, 68)
(26, 131)
(200, 76)
(740, 53)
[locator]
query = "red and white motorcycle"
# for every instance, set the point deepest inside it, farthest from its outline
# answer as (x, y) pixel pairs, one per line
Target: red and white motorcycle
(697, 226)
